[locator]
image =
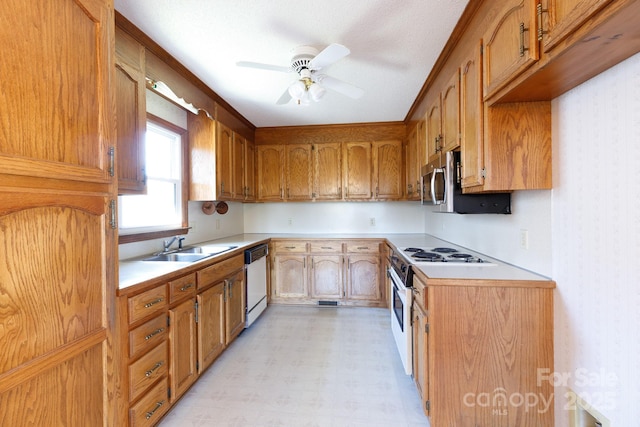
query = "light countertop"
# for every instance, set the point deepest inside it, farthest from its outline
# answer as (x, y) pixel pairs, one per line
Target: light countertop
(134, 271)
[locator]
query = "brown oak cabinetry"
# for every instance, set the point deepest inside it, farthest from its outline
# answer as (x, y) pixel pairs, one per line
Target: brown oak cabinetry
(357, 170)
(510, 44)
(218, 160)
(250, 171)
(131, 113)
(443, 120)
(342, 272)
(387, 170)
(464, 331)
(58, 252)
(270, 172)
(298, 172)
(174, 331)
(327, 171)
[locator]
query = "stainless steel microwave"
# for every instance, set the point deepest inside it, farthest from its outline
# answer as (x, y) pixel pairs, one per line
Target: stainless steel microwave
(441, 189)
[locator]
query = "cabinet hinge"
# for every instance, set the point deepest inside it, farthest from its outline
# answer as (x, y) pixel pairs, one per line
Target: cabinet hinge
(112, 161)
(168, 321)
(169, 393)
(483, 173)
(112, 221)
(195, 306)
(426, 328)
(197, 366)
(427, 404)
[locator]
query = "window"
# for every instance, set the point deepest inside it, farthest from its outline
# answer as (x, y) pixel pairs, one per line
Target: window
(163, 210)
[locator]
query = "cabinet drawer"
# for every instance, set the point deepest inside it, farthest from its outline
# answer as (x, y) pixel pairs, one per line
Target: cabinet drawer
(219, 271)
(147, 303)
(182, 288)
(291, 247)
(151, 407)
(420, 292)
(326, 247)
(148, 335)
(146, 371)
(363, 247)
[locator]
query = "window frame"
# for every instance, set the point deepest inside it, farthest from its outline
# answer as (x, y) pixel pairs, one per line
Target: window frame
(173, 231)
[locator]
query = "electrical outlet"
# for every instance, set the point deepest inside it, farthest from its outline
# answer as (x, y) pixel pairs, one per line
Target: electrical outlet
(524, 239)
(217, 224)
(290, 221)
(372, 222)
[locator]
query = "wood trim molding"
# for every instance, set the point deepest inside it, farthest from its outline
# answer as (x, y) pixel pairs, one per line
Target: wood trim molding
(316, 134)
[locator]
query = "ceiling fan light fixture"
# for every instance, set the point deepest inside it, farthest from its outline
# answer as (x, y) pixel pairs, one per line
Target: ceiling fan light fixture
(297, 89)
(316, 92)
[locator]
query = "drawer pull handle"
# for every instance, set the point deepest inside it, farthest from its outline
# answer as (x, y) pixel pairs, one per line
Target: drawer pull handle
(363, 247)
(289, 247)
(184, 288)
(154, 333)
(153, 411)
(152, 370)
(154, 302)
(416, 291)
(326, 247)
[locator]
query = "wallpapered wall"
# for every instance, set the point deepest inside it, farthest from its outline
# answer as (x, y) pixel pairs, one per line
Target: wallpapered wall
(596, 243)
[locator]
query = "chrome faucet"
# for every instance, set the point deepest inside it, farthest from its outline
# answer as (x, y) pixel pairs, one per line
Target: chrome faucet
(167, 243)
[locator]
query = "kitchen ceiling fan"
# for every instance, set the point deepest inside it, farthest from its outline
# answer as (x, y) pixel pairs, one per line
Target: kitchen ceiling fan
(307, 61)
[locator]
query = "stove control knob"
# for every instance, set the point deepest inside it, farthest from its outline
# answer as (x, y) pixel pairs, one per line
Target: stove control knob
(403, 268)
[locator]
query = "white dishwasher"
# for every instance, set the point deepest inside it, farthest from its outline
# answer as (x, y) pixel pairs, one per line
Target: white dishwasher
(256, 280)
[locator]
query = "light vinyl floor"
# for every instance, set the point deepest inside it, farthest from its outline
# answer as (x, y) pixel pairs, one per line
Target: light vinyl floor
(306, 366)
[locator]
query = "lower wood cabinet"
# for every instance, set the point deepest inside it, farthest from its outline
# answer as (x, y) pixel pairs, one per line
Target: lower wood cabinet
(173, 331)
(478, 349)
(344, 272)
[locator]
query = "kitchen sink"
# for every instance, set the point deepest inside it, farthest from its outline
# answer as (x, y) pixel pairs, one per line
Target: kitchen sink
(178, 257)
(191, 254)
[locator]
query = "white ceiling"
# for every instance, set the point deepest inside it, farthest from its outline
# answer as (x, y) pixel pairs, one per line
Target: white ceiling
(394, 44)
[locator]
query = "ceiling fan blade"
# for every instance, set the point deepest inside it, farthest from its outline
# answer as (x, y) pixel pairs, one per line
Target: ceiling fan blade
(328, 56)
(285, 98)
(261, 66)
(339, 86)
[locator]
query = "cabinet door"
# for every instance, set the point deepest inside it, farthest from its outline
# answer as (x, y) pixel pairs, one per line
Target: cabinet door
(357, 170)
(57, 281)
(434, 130)
(211, 325)
(291, 276)
(237, 169)
(451, 113)
(327, 171)
(298, 172)
(326, 277)
(363, 277)
(510, 44)
(249, 170)
(224, 161)
(56, 90)
(235, 306)
(131, 113)
(387, 170)
(471, 119)
(202, 157)
(270, 161)
(412, 167)
(182, 336)
(565, 16)
(420, 354)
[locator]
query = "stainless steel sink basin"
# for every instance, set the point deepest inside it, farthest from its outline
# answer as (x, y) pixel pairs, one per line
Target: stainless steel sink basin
(190, 254)
(178, 257)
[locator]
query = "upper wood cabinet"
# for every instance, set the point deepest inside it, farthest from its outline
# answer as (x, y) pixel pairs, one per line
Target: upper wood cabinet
(451, 113)
(434, 129)
(557, 19)
(298, 172)
(357, 170)
(57, 90)
(415, 159)
(249, 171)
(219, 159)
(387, 175)
(471, 119)
(270, 172)
(510, 44)
(327, 171)
(130, 114)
